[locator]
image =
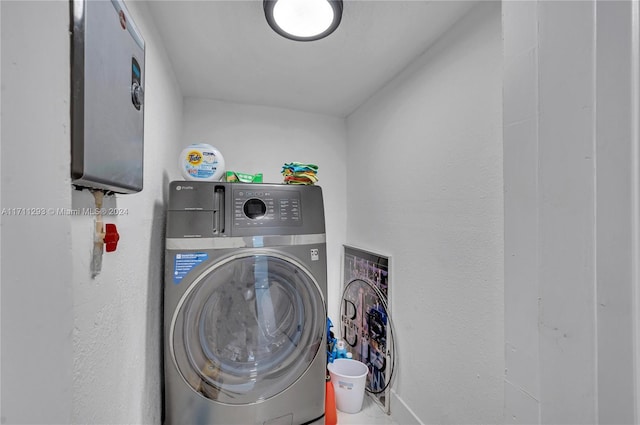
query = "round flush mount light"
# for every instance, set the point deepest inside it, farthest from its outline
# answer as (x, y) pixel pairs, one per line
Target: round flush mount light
(303, 20)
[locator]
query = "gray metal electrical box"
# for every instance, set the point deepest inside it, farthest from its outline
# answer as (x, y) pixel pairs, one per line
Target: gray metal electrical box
(107, 93)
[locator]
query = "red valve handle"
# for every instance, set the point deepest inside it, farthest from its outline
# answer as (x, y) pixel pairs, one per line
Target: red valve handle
(111, 237)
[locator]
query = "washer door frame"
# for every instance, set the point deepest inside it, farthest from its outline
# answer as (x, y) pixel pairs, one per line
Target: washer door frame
(305, 287)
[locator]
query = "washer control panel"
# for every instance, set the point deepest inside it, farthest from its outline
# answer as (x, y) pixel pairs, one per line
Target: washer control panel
(266, 208)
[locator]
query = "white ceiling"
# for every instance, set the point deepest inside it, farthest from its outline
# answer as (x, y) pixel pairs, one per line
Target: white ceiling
(226, 50)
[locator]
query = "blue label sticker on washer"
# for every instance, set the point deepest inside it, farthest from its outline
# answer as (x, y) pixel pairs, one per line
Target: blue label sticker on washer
(185, 262)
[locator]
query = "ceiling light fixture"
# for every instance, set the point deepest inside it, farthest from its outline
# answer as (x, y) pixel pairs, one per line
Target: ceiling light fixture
(303, 20)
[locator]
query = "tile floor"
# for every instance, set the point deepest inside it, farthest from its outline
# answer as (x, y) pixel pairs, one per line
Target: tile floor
(371, 414)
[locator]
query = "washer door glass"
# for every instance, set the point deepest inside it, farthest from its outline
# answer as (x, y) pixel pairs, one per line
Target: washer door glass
(248, 328)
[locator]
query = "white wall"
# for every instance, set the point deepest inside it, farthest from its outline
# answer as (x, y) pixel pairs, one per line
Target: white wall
(76, 350)
(117, 316)
(254, 139)
(568, 167)
(425, 186)
(97, 341)
(37, 301)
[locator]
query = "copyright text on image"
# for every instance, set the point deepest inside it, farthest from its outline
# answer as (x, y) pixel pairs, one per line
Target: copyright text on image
(50, 211)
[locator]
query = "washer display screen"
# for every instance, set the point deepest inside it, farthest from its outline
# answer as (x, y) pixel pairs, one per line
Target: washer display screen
(255, 208)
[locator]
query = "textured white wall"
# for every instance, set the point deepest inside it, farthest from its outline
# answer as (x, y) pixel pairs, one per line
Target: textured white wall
(522, 384)
(568, 167)
(255, 139)
(37, 299)
(117, 345)
(614, 211)
(445, 108)
(425, 186)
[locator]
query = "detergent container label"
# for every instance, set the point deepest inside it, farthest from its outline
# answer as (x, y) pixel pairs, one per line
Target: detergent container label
(184, 262)
(202, 162)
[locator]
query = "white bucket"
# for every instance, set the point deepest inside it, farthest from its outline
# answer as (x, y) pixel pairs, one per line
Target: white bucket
(348, 378)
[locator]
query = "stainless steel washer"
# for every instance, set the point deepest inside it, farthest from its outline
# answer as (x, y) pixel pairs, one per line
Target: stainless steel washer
(245, 311)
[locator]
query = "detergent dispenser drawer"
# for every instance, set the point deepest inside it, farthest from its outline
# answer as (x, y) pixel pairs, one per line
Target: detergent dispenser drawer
(107, 97)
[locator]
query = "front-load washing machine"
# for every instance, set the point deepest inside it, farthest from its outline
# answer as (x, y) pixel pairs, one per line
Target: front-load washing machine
(244, 304)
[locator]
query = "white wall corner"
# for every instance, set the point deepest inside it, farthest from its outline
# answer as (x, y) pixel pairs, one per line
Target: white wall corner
(402, 414)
